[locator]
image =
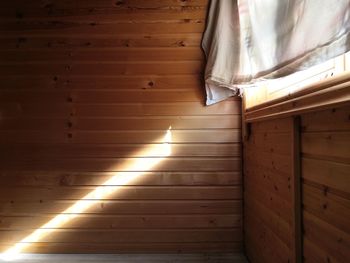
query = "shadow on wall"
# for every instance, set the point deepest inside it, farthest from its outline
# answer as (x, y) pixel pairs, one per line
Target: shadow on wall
(139, 167)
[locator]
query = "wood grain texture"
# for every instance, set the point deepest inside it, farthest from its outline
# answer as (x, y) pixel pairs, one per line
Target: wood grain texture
(132, 258)
(324, 94)
(135, 248)
(122, 207)
(326, 192)
(88, 89)
(269, 192)
(271, 167)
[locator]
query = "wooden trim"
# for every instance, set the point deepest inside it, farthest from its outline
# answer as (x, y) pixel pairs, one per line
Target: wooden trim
(326, 83)
(245, 125)
(244, 139)
(322, 95)
(297, 200)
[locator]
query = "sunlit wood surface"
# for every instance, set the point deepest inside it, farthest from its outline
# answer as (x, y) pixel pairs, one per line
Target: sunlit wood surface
(88, 89)
(165, 258)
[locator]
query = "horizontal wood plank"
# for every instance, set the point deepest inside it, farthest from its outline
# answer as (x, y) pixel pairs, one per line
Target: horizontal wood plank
(29, 28)
(189, 136)
(57, 110)
(121, 96)
(52, 208)
(332, 146)
(108, 4)
(116, 55)
(128, 236)
(120, 12)
(127, 164)
(336, 119)
(330, 174)
(64, 151)
(78, 42)
(102, 68)
(127, 222)
(121, 193)
(123, 123)
(155, 247)
(327, 206)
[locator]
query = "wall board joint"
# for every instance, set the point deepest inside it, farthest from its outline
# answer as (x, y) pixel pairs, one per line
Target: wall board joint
(297, 222)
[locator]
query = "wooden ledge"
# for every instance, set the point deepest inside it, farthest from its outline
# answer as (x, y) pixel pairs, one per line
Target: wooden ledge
(328, 93)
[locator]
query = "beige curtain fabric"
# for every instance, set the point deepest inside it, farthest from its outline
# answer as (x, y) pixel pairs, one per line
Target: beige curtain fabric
(246, 41)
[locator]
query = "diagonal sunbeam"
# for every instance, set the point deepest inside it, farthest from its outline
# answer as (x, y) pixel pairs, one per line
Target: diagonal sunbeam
(101, 192)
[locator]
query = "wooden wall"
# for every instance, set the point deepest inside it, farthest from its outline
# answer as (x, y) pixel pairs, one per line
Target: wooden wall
(274, 208)
(85, 86)
(326, 185)
(269, 192)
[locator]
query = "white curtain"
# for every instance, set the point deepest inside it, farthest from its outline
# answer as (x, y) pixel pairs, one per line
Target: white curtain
(246, 41)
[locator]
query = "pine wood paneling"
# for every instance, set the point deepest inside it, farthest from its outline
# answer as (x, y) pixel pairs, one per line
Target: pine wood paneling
(326, 187)
(135, 258)
(162, 247)
(89, 88)
(130, 236)
(269, 213)
(274, 212)
(130, 221)
(114, 41)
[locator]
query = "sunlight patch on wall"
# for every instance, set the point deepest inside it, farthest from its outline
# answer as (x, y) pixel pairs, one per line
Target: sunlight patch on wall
(109, 187)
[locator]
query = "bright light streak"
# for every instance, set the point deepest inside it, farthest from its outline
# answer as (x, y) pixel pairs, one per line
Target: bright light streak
(109, 187)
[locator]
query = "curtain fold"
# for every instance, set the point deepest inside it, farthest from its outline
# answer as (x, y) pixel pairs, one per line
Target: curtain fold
(246, 41)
